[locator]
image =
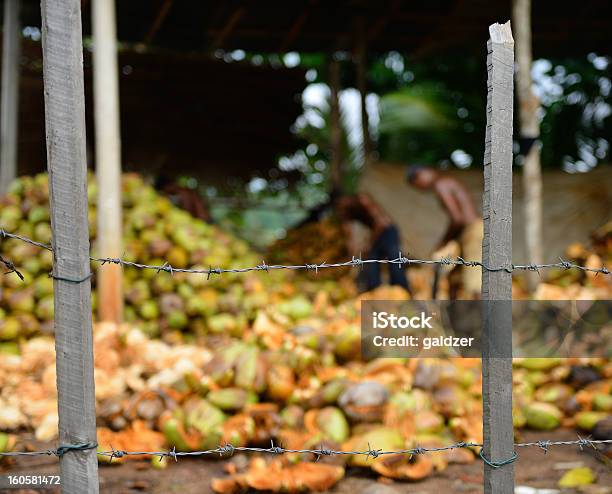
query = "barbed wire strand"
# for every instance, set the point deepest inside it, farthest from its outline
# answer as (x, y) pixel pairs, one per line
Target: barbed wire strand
(354, 262)
(227, 450)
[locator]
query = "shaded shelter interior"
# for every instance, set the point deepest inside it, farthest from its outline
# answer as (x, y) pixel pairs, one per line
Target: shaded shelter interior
(183, 109)
(180, 113)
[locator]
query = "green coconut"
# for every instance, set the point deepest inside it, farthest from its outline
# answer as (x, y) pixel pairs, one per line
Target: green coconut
(538, 364)
(383, 438)
(602, 402)
(588, 419)
(577, 477)
(231, 398)
(542, 416)
(332, 422)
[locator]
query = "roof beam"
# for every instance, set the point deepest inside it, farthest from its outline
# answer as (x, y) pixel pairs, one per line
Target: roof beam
(228, 28)
(435, 39)
(157, 23)
(337, 40)
(382, 21)
(296, 27)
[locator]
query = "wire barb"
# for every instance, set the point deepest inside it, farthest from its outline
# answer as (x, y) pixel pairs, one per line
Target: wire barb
(10, 268)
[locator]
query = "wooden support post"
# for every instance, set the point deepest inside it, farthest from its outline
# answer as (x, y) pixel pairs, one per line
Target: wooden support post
(108, 158)
(497, 251)
(362, 74)
(9, 120)
(65, 129)
(335, 124)
(529, 124)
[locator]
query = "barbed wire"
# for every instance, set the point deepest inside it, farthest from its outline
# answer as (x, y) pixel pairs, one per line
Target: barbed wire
(353, 262)
(5, 234)
(228, 450)
(10, 268)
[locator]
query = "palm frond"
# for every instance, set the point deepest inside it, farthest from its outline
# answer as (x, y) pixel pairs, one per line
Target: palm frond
(415, 108)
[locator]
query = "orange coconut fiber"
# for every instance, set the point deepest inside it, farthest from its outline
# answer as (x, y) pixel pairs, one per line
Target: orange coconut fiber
(279, 476)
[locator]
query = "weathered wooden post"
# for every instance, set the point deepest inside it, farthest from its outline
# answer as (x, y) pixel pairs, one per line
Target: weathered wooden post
(498, 448)
(529, 123)
(108, 157)
(335, 125)
(65, 129)
(9, 121)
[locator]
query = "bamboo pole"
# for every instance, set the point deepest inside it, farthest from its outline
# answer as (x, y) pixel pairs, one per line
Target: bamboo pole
(9, 120)
(529, 125)
(66, 162)
(108, 158)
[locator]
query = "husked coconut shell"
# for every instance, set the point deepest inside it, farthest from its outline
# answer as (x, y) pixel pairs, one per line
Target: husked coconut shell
(364, 401)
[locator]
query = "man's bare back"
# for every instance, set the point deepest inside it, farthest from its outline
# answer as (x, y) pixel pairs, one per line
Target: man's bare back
(456, 200)
(453, 195)
(465, 227)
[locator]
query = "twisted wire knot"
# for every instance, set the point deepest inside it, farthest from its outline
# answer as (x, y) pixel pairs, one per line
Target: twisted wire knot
(226, 449)
(172, 453)
(544, 445)
(62, 449)
(116, 453)
(374, 453)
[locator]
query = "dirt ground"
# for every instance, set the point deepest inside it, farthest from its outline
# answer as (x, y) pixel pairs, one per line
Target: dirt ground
(534, 469)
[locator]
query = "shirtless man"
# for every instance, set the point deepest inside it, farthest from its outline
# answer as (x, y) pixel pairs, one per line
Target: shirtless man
(465, 224)
(384, 238)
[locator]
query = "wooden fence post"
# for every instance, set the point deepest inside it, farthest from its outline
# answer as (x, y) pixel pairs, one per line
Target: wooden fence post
(9, 121)
(66, 162)
(497, 251)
